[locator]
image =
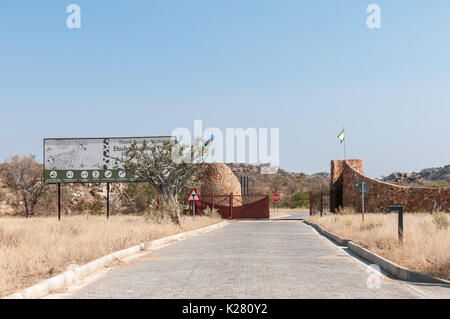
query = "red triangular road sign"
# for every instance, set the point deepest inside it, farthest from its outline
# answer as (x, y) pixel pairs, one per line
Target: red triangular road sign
(193, 196)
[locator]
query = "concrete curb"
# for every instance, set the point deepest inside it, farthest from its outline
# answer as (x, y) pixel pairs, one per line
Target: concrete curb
(162, 241)
(390, 267)
(75, 273)
(394, 269)
(341, 241)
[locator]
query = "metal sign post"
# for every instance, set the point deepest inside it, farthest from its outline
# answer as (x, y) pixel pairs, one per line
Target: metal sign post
(107, 200)
(59, 201)
(276, 198)
(193, 197)
(362, 205)
(362, 188)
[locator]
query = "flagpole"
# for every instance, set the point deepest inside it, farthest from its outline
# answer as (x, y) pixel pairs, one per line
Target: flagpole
(345, 155)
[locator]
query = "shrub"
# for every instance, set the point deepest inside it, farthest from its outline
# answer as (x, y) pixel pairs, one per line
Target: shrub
(300, 199)
(440, 221)
(369, 226)
(211, 212)
(138, 197)
(345, 211)
(96, 207)
(287, 203)
(155, 216)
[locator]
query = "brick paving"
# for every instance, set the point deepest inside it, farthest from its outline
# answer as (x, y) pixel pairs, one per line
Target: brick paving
(249, 259)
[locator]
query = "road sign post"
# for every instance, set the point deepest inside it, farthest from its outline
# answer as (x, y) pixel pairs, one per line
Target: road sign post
(276, 198)
(362, 204)
(107, 200)
(362, 188)
(193, 197)
(59, 201)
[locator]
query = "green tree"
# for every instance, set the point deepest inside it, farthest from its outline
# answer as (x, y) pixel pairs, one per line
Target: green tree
(167, 166)
(137, 197)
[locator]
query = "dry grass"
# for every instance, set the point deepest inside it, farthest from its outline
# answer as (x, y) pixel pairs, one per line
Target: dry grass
(37, 248)
(287, 210)
(426, 248)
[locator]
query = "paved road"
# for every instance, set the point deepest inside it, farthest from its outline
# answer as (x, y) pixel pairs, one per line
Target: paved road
(294, 215)
(249, 259)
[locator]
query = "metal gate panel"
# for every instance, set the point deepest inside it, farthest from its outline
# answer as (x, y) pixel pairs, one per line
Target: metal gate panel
(236, 206)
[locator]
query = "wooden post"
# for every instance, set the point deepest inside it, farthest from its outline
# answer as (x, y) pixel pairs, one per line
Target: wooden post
(400, 225)
(310, 203)
(399, 210)
(321, 203)
(231, 206)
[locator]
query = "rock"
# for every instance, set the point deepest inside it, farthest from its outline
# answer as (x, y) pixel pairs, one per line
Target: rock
(405, 178)
(219, 180)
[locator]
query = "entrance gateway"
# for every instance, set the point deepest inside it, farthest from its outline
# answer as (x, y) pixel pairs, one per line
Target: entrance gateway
(236, 206)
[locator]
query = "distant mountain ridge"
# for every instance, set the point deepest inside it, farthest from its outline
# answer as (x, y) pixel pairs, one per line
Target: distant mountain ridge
(433, 177)
(283, 182)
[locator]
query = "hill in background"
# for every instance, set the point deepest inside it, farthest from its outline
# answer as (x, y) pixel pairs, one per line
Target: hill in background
(429, 177)
(293, 187)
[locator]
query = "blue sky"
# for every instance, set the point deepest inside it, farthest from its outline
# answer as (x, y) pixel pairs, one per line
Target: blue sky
(141, 68)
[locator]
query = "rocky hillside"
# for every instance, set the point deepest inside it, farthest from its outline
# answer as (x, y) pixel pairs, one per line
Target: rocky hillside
(283, 182)
(430, 177)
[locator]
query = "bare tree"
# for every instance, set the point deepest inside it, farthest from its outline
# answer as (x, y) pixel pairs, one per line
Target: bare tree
(23, 176)
(324, 185)
(167, 166)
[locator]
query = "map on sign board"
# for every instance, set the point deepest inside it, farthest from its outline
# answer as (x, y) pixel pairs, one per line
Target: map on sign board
(89, 160)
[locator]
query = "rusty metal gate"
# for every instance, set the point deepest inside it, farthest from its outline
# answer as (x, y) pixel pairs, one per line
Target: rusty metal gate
(318, 202)
(236, 206)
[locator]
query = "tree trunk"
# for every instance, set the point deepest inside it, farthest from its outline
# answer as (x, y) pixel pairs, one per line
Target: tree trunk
(25, 202)
(174, 210)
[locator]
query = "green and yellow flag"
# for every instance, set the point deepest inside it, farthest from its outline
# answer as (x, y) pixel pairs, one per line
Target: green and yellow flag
(341, 136)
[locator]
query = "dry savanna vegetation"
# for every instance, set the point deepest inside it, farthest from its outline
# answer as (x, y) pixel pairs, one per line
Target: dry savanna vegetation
(33, 249)
(426, 238)
(38, 246)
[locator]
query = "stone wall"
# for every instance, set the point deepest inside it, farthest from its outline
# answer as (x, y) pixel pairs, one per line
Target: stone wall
(345, 175)
(336, 185)
(220, 180)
